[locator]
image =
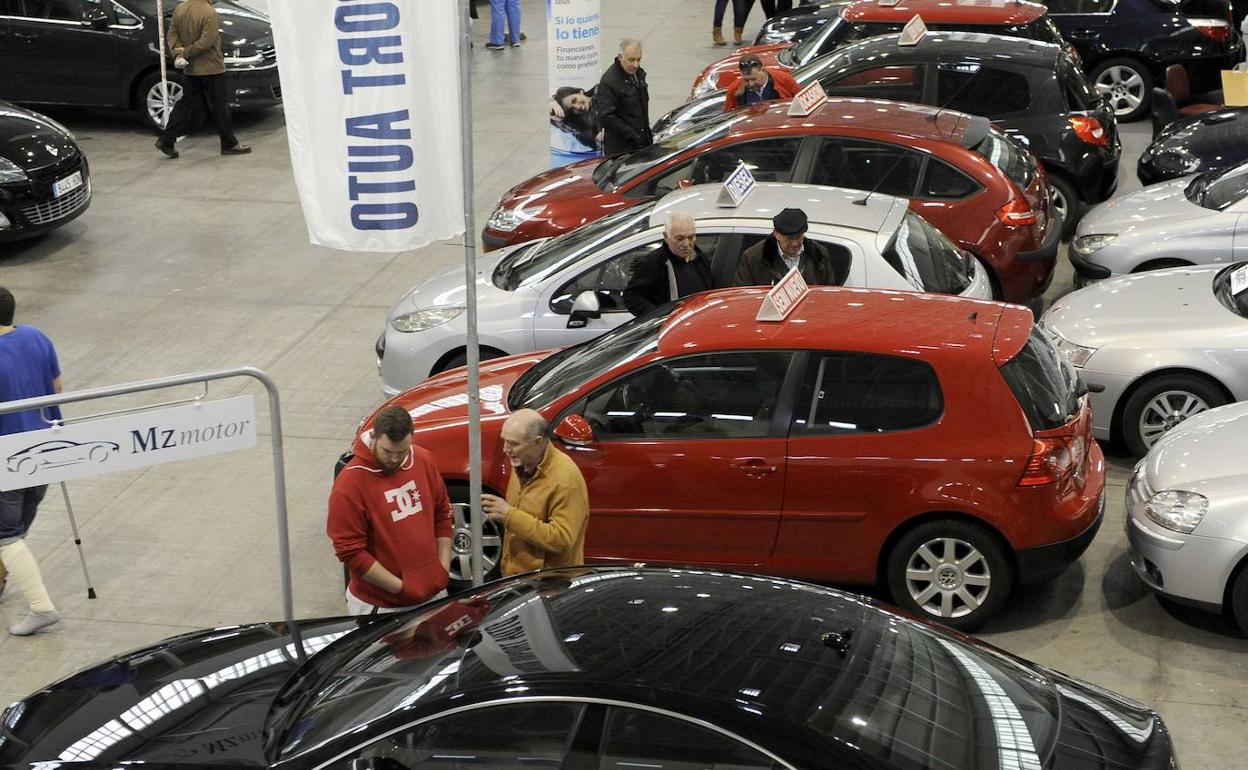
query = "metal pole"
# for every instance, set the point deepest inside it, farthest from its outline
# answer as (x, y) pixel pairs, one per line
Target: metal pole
(164, 63)
(470, 275)
(82, 557)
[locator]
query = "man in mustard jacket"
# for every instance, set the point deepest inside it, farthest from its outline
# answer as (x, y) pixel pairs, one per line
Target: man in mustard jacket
(547, 506)
(195, 42)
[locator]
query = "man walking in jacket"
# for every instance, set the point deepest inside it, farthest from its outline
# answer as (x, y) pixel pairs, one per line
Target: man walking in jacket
(28, 369)
(786, 248)
(195, 42)
(622, 100)
(546, 510)
(676, 269)
(390, 520)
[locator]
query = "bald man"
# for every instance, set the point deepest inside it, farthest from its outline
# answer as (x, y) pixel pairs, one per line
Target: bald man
(676, 269)
(546, 510)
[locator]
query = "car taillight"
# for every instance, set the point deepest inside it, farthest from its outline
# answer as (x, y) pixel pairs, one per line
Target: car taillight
(1089, 130)
(1017, 213)
(1214, 29)
(1052, 458)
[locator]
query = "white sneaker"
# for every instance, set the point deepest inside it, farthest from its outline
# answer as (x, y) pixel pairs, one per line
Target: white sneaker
(33, 622)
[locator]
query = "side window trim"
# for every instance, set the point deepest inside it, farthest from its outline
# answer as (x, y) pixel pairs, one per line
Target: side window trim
(574, 272)
(57, 22)
(796, 431)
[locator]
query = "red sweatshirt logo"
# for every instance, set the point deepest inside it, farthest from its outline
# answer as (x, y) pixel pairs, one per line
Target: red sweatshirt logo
(407, 497)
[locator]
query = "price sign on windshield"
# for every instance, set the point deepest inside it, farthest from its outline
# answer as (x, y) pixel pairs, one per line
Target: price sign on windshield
(1239, 280)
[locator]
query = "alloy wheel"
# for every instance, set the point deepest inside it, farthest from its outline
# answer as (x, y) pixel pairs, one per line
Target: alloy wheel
(948, 577)
(1123, 86)
(1166, 410)
(461, 544)
(156, 103)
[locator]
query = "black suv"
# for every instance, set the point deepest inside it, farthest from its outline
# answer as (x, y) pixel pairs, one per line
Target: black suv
(103, 53)
(1030, 89)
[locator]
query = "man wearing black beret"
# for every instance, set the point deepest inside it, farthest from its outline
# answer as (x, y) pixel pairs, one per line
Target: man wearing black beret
(786, 248)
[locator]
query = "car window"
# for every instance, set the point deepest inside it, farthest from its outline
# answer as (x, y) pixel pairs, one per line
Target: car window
(902, 83)
(769, 160)
(710, 396)
(846, 393)
(520, 736)
(862, 165)
(1079, 92)
(61, 10)
(946, 182)
(525, 265)
(927, 259)
(1044, 383)
(615, 172)
(1008, 156)
(1219, 192)
(641, 739)
(610, 278)
(973, 88)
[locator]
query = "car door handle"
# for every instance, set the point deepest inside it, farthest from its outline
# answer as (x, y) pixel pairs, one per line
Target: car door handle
(755, 466)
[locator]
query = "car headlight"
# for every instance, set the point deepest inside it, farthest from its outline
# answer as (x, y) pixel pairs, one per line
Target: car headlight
(1077, 355)
(507, 220)
(11, 172)
(1178, 160)
(1177, 510)
(420, 320)
(1086, 244)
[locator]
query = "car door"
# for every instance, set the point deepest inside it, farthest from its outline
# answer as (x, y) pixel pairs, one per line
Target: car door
(553, 326)
(57, 57)
(687, 462)
(855, 451)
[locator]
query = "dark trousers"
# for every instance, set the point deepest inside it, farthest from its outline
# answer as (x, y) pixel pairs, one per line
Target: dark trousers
(740, 10)
(203, 96)
(17, 510)
(771, 6)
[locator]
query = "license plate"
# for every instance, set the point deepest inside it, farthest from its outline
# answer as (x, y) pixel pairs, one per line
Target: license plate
(68, 184)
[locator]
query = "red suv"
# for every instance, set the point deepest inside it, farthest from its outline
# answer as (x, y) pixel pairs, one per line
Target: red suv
(868, 18)
(937, 445)
(979, 187)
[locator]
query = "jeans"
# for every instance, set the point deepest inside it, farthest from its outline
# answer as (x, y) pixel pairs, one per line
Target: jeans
(202, 96)
(740, 10)
(17, 511)
(511, 9)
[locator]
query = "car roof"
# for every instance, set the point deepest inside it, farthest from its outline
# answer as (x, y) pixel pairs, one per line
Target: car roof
(951, 44)
(901, 120)
(823, 205)
(946, 11)
(887, 322)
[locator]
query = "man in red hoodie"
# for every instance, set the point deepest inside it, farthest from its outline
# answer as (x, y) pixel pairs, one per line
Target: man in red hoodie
(390, 521)
(756, 84)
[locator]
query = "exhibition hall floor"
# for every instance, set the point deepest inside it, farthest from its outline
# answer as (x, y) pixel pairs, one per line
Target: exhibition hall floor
(202, 263)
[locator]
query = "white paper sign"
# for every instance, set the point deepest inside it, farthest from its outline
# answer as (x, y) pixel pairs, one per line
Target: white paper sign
(739, 184)
(126, 442)
(1239, 280)
(783, 297)
(808, 100)
(372, 103)
(913, 32)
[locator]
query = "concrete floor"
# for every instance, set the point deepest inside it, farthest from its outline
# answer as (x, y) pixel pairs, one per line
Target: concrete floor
(203, 263)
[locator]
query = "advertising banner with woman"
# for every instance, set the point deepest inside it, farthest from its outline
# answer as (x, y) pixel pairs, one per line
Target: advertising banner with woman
(574, 29)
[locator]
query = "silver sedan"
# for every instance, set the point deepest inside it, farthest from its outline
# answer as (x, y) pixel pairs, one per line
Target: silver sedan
(560, 291)
(1156, 348)
(1194, 220)
(1187, 513)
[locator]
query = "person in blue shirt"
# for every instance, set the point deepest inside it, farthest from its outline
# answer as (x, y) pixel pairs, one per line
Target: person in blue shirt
(28, 369)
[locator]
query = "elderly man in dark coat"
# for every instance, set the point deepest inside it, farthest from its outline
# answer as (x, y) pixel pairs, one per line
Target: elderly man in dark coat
(786, 248)
(622, 102)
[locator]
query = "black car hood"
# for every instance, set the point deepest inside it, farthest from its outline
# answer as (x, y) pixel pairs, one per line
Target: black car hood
(1217, 140)
(32, 141)
(194, 700)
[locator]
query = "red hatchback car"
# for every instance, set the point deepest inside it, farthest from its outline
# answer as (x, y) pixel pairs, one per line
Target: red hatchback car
(937, 445)
(868, 18)
(980, 188)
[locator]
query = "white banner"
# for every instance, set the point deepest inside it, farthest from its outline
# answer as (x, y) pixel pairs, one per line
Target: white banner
(371, 92)
(574, 28)
(136, 440)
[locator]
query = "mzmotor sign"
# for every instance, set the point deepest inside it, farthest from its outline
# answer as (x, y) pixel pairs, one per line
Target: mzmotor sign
(126, 442)
(371, 93)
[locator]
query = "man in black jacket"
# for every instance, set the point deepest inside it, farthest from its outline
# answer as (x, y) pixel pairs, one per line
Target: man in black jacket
(676, 269)
(622, 102)
(787, 247)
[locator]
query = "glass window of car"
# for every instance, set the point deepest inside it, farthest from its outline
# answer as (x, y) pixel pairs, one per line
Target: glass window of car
(519, 736)
(708, 396)
(1219, 192)
(946, 182)
(1236, 303)
(769, 160)
(125, 18)
(527, 265)
(1079, 92)
(862, 393)
(633, 739)
(903, 83)
(1044, 383)
(927, 259)
(863, 165)
(609, 279)
(971, 87)
(614, 173)
(1008, 156)
(57, 10)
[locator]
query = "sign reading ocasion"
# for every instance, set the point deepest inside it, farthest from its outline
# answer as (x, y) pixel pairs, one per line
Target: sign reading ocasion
(574, 66)
(371, 93)
(126, 442)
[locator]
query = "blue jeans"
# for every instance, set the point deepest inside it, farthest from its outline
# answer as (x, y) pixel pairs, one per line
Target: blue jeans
(17, 511)
(499, 8)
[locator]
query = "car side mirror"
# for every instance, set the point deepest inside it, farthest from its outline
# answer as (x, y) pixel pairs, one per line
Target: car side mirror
(95, 18)
(575, 430)
(584, 307)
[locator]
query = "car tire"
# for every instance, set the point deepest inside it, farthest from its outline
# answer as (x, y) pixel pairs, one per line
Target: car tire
(1128, 84)
(970, 574)
(461, 543)
(148, 98)
(461, 359)
(1163, 402)
(1239, 600)
(1066, 197)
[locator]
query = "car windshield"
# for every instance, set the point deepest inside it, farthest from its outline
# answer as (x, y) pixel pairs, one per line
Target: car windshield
(568, 369)
(809, 47)
(1044, 382)
(615, 172)
(927, 259)
(1219, 192)
(1230, 286)
(1009, 156)
(534, 264)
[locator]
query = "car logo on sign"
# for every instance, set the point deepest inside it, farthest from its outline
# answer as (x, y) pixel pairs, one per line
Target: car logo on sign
(57, 454)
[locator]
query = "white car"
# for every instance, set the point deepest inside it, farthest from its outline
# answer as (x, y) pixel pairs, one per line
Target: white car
(556, 292)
